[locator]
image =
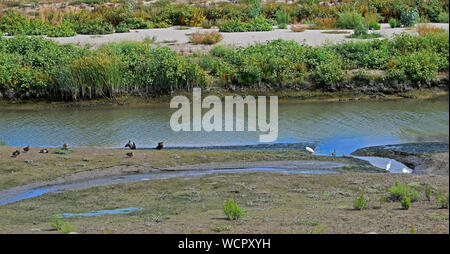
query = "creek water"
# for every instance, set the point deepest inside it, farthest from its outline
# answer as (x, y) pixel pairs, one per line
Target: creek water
(344, 126)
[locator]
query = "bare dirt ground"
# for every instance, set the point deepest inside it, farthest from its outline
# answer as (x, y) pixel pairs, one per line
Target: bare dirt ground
(179, 39)
(273, 203)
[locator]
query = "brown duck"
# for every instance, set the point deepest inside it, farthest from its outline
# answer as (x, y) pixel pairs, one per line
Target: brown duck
(131, 145)
(160, 146)
(65, 147)
(15, 154)
(26, 149)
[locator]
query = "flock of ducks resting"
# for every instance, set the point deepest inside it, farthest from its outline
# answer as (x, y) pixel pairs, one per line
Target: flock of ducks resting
(26, 149)
(132, 146)
(65, 147)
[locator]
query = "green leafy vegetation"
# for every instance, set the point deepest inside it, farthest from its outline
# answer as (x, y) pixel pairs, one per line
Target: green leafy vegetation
(232, 210)
(38, 68)
(399, 191)
(393, 22)
(62, 226)
(102, 18)
(360, 203)
(409, 17)
(428, 192)
(349, 20)
(406, 203)
(442, 200)
(254, 25)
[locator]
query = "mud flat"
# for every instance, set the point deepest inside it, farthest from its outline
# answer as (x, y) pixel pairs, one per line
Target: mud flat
(424, 158)
(273, 203)
(177, 191)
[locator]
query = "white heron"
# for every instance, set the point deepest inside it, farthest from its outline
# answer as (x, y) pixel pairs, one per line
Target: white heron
(388, 166)
(406, 171)
(309, 149)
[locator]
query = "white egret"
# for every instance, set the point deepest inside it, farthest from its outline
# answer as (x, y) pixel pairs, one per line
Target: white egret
(309, 149)
(388, 166)
(406, 171)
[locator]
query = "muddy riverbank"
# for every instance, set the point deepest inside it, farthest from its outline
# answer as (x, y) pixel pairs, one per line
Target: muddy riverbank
(424, 158)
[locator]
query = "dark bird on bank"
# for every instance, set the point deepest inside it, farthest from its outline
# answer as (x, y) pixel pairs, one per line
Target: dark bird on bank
(65, 147)
(334, 153)
(345, 156)
(160, 146)
(43, 150)
(15, 154)
(130, 155)
(131, 145)
(26, 149)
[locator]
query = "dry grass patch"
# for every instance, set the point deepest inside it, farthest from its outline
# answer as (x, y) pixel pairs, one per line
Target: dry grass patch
(207, 38)
(298, 28)
(427, 29)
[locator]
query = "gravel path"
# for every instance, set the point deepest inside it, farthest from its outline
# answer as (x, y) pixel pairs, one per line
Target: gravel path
(178, 39)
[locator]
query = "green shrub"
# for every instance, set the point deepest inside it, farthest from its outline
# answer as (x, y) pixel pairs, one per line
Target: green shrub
(409, 17)
(96, 26)
(122, 28)
(233, 25)
(428, 192)
(406, 203)
(416, 67)
(360, 30)
(373, 25)
(255, 8)
(399, 191)
(329, 72)
(281, 17)
(60, 225)
(443, 17)
(349, 20)
(442, 200)
(282, 26)
(393, 22)
(254, 25)
(64, 29)
(259, 24)
(360, 203)
(232, 210)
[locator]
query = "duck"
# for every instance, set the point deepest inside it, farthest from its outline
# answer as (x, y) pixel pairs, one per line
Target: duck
(64, 147)
(334, 153)
(43, 150)
(160, 146)
(130, 154)
(26, 149)
(131, 145)
(15, 154)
